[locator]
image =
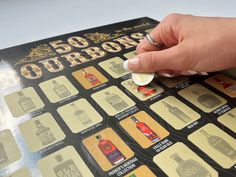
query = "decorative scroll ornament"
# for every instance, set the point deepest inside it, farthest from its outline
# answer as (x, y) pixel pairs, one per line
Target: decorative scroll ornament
(40, 52)
(100, 37)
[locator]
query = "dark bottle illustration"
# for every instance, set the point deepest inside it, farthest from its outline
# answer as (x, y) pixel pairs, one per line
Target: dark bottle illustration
(146, 130)
(132, 175)
(115, 101)
(226, 85)
(25, 103)
(178, 113)
(113, 155)
(91, 78)
(220, 145)
(190, 167)
(66, 168)
(207, 100)
(60, 90)
(44, 133)
(231, 115)
(3, 156)
(81, 115)
(117, 68)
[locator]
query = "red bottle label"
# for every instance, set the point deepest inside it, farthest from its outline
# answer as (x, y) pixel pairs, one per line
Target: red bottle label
(148, 132)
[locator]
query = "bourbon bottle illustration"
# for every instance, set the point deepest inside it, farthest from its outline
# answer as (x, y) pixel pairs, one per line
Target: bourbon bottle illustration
(93, 80)
(117, 68)
(60, 89)
(226, 85)
(178, 113)
(115, 101)
(66, 168)
(207, 100)
(220, 145)
(25, 103)
(3, 156)
(190, 167)
(146, 130)
(147, 90)
(81, 115)
(44, 133)
(113, 155)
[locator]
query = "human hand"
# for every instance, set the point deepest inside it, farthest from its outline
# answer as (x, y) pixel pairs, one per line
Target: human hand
(192, 45)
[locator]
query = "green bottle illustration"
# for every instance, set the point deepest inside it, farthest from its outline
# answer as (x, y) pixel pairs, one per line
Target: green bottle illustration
(81, 115)
(132, 175)
(190, 167)
(25, 103)
(220, 145)
(207, 100)
(60, 90)
(178, 113)
(115, 101)
(66, 168)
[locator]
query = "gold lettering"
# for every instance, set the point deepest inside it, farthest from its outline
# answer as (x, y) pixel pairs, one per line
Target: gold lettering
(126, 41)
(111, 47)
(60, 47)
(77, 41)
(95, 52)
(31, 71)
(137, 36)
(52, 64)
(75, 58)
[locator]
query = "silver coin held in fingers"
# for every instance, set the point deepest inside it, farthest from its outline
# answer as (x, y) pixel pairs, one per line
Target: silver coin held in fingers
(142, 79)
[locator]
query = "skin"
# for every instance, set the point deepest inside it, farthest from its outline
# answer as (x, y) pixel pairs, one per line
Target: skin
(192, 45)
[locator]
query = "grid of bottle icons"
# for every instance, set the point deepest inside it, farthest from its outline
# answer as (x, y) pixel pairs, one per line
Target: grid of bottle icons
(106, 147)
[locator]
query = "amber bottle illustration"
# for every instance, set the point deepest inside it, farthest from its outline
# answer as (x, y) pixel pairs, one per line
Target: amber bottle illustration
(117, 68)
(177, 112)
(44, 133)
(66, 168)
(226, 85)
(25, 103)
(113, 155)
(60, 90)
(207, 100)
(146, 91)
(115, 101)
(189, 168)
(220, 145)
(146, 130)
(81, 115)
(3, 156)
(91, 78)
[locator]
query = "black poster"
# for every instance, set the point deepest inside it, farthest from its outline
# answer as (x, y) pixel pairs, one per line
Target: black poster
(69, 109)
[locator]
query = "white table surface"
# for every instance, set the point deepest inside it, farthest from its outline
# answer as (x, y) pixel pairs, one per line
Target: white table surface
(23, 21)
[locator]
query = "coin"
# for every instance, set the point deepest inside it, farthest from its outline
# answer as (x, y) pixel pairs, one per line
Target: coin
(142, 79)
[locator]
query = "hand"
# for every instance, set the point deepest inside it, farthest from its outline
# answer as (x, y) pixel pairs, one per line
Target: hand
(192, 45)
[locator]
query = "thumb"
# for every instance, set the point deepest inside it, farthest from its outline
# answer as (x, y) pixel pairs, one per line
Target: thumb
(173, 58)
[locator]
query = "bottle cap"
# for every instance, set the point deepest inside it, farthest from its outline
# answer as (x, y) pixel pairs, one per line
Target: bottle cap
(142, 79)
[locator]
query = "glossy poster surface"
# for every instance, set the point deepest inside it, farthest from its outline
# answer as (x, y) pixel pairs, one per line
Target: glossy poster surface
(69, 109)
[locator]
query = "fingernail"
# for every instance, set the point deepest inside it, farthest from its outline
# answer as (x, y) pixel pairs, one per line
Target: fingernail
(167, 75)
(204, 73)
(188, 72)
(131, 64)
(126, 65)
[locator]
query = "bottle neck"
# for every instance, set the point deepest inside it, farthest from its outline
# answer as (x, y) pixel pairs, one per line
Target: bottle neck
(167, 104)
(177, 158)
(205, 133)
(99, 138)
(20, 93)
(54, 82)
(38, 123)
(59, 158)
(135, 119)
